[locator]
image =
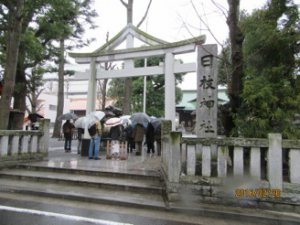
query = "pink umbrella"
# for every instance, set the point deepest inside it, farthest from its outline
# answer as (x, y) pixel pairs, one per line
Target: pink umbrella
(112, 122)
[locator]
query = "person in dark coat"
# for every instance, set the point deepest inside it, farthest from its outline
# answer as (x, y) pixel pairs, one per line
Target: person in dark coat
(157, 138)
(115, 132)
(150, 138)
(129, 138)
(68, 129)
(80, 132)
(138, 137)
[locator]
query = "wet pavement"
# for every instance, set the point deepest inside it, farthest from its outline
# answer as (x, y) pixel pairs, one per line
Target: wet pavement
(28, 210)
(57, 157)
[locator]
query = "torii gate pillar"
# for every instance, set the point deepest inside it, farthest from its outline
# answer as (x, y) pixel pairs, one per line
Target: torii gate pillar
(170, 107)
(90, 106)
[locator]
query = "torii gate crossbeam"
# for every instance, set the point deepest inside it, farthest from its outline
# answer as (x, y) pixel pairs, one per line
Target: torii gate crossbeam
(168, 69)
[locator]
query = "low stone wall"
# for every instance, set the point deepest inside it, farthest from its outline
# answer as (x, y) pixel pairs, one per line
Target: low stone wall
(22, 146)
(239, 171)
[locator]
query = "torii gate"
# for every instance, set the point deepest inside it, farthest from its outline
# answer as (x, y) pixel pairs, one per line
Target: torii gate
(157, 47)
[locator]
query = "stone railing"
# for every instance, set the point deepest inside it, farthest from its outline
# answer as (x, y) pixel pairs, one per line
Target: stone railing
(241, 164)
(19, 145)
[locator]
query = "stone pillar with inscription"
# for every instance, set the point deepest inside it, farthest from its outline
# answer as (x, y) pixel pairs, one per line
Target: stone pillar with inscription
(207, 91)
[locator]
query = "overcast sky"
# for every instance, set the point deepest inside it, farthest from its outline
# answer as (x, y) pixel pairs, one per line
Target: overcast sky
(170, 20)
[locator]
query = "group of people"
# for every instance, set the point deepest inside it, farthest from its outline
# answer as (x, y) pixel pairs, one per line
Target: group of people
(133, 134)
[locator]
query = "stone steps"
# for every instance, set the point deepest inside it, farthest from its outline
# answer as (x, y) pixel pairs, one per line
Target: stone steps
(132, 189)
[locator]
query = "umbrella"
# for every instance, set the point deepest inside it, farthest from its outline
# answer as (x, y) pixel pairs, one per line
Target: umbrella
(156, 123)
(116, 111)
(140, 118)
(33, 117)
(125, 119)
(83, 121)
(99, 115)
(112, 122)
(68, 116)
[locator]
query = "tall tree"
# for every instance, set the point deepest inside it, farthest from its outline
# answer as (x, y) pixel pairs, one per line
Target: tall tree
(236, 37)
(72, 26)
(127, 81)
(34, 87)
(60, 93)
(15, 18)
(31, 53)
(42, 26)
(271, 91)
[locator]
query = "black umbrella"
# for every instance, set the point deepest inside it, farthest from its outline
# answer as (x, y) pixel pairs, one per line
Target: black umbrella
(140, 118)
(33, 117)
(68, 116)
(116, 111)
(156, 123)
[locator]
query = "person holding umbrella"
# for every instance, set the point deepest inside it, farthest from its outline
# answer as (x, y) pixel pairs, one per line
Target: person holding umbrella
(68, 129)
(115, 133)
(138, 137)
(140, 122)
(95, 132)
(150, 138)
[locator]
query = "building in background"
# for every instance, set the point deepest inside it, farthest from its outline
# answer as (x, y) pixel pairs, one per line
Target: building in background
(185, 109)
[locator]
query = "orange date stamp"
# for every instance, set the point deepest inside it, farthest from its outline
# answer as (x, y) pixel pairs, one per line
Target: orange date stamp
(257, 193)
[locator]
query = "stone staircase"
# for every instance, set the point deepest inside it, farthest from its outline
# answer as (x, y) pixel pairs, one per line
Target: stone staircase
(138, 189)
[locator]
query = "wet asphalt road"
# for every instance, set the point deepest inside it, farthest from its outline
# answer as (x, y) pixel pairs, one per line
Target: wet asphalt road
(15, 212)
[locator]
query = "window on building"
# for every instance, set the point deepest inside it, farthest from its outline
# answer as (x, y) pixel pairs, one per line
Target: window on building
(52, 107)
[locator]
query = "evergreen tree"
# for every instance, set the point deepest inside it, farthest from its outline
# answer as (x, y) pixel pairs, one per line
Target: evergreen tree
(155, 90)
(271, 91)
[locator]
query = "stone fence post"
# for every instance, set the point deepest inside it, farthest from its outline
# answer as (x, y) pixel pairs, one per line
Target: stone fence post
(171, 159)
(275, 161)
(166, 127)
(174, 157)
(44, 126)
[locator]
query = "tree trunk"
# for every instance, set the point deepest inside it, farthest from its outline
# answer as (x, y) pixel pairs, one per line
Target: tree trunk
(20, 89)
(128, 81)
(19, 99)
(129, 11)
(104, 88)
(60, 94)
(235, 84)
(12, 51)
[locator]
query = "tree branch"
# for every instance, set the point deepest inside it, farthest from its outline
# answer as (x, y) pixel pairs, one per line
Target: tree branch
(221, 8)
(124, 3)
(205, 24)
(145, 15)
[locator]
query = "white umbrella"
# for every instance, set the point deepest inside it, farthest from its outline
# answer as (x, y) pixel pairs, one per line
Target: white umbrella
(112, 122)
(83, 121)
(126, 119)
(99, 115)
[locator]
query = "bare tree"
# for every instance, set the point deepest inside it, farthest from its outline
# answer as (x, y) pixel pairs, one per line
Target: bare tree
(233, 66)
(145, 14)
(236, 40)
(102, 84)
(127, 81)
(226, 64)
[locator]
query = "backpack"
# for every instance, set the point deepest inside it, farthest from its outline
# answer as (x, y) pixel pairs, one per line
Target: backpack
(66, 128)
(92, 130)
